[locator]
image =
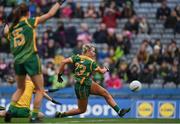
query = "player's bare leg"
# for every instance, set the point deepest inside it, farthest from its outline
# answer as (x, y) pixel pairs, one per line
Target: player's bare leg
(16, 96)
(39, 89)
(82, 106)
(98, 90)
(2, 113)
(20, 88)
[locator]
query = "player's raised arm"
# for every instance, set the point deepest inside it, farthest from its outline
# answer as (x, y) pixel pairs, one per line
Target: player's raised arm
(4, 30)
(51, 12)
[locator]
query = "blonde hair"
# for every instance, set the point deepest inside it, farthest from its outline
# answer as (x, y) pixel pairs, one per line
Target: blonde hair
(87, 47)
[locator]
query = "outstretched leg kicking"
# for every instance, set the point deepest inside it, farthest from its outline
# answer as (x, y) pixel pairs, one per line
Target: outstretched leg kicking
(82, 106)
(98, 90)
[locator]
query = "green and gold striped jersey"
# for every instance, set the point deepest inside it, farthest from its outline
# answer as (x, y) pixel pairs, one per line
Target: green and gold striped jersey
(22, 39)
(84, 66)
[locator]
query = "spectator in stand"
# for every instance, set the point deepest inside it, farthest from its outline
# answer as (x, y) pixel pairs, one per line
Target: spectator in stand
(158, 43)
(111, 37)
(163, 71)
(67, 11)
(4, 46)
(142, 54)
(102, 9)
(91, 11)
(3, 68)
(171, 21)
(128, 11)
(59, 36)
(84, 36)
(32, 8)
(78, 13)
(123, 71)
(45, 5)
(144, 26)
(103, 53)
(124, 41)
(2, 14)
(114, 6)
(51, 49)
(132, 25)
(174, 74)
(156, 57)
(77, 48)
(48, 71)
(114, 81)
(110, 18)
(71, 36)
(164, 11)
(177, 27)
(148, 74)
(72, 4)
(41, 47)
(119, 3)
(173, 49)
(38, 2)
(134, 70)
(100, 36)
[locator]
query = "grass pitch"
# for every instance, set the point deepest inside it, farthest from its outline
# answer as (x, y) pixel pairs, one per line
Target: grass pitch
(97, 120)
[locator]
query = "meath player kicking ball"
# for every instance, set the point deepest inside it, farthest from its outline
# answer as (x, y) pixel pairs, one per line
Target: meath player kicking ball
(84, 67)
(22, 108)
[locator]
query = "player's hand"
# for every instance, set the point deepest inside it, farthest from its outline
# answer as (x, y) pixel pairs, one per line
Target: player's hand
(52, 90)
(56, 102)
(61, 1)
(107, 68)
(60, 78)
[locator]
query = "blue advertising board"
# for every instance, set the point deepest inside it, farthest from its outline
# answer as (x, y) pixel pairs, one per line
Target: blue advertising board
(97, 108)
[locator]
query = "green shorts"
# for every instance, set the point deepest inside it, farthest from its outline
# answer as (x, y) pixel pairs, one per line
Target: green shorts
(82, 91)
(19, 112)
(31, 67)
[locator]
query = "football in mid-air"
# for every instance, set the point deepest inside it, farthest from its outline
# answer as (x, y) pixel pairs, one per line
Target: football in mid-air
(135, 86)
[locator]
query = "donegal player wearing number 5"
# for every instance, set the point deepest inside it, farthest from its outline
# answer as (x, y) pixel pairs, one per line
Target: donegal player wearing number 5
(22, 37)
(84, 67)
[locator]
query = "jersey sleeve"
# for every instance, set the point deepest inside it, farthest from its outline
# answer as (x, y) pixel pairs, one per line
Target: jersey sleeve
(75, 58)
(33, 22)
(94, 66)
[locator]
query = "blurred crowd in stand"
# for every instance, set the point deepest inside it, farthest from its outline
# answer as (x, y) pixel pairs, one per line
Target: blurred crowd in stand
(153, 62)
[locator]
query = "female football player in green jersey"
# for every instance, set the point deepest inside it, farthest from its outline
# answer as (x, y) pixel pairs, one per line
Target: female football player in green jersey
(84, 67)
(22, 37)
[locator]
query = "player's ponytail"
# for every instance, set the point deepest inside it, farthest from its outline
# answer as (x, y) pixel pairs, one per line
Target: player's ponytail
(19, 12)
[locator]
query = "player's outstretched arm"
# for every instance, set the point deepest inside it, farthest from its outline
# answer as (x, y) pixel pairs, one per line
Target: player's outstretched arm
(61, 68)
(51, 12)
(101, 70)
(63, 63)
